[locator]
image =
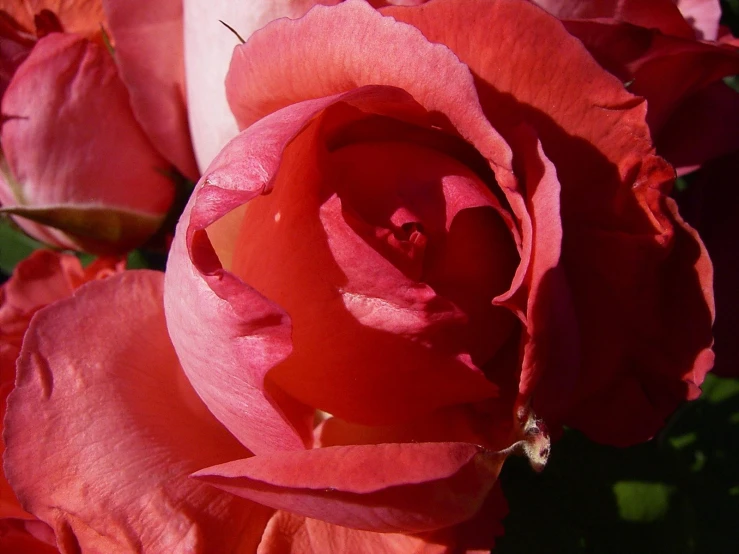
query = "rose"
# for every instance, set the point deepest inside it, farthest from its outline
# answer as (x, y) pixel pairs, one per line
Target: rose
(78, 169)
(39, 280)
(518, 258)
(692, 114)
(612, 370)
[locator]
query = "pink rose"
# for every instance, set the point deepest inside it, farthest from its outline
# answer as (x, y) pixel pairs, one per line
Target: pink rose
(78, 169)
(440, 226)
(38, 281)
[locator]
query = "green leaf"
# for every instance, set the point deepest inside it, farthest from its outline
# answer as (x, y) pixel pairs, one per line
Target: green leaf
(640, 501)
(14, 245)
(717, 390)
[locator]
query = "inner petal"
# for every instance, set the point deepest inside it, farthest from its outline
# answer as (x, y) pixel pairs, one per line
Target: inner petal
(353, 244)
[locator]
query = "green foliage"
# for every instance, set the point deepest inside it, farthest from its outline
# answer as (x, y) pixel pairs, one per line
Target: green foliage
(677, 494)
(14, 245)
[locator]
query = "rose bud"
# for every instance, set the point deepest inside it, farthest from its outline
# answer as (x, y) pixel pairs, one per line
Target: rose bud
(78, 171)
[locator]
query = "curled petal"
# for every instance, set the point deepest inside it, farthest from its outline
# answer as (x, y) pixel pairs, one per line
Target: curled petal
(115, 429)
(384, 487)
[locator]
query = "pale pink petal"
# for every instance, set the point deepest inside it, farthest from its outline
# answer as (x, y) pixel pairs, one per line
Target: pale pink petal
(208, 48)
(385, 487)
(702, 15)
(103, 430)
(149, 51)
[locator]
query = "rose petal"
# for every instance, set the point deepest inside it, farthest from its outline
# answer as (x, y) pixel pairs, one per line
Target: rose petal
(65, 148)
(711, 203)
(83, 17)
(149, 51)
(37, 281)
(252, 329)
(663, 69)
(15, 539)
(114, 430)
(703, 16)
(653, 350)
(208, 48)
(620, 234)
(705, 126)
(431, 73)
(384, 487)
(288, 533)
(551, 358)
(654, 14)
(377, 324)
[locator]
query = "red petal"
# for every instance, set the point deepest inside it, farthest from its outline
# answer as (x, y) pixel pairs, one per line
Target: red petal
(288, 533)
(73, 141)
(378, 324)
(620, 240)
(653, 14)
(705, 126)
(42, 278)
(114, 429)
(384, 487)
(663, 69)
(226, 369)
(149, 50)
(711, 203)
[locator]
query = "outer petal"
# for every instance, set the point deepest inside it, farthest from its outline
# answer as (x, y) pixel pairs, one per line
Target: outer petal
(711, 203)
(114, 430)
(208, 48)
(42, 278)
(663, 69)
(652, 14)
(149, 50)
(77, 147)
(429, 72)
(622, 239)
(288, 533)
(384, 487)
(703, 127)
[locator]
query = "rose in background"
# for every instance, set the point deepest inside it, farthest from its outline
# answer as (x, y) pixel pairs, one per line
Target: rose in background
(85, 158)
(674, 54)
(38, 281)
(422, 244)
